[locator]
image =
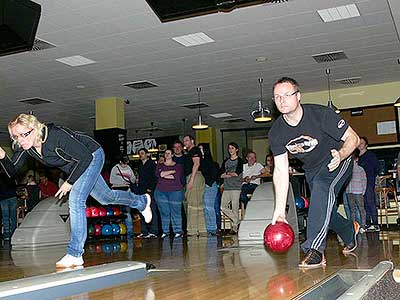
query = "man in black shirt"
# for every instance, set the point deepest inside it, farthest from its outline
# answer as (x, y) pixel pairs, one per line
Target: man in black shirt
(195, 185)
(179, 156)
(146, 184)
(324, 142)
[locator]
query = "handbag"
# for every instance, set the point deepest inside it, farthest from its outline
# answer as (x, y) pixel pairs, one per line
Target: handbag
(132, 185)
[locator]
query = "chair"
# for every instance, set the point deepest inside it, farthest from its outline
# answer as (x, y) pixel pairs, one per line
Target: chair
(225, 220)
(21, 210)
(384, 201)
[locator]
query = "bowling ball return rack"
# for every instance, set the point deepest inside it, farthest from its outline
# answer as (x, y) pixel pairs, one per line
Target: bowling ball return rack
(356, 284)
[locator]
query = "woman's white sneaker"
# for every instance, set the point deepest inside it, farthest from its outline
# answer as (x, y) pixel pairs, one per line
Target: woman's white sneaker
(146, 213)
(69, 261)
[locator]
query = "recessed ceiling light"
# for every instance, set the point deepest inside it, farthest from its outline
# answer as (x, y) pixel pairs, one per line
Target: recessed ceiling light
(75, 61)
(261, 59)
(220, 115)
(339, 13)
(193, 39)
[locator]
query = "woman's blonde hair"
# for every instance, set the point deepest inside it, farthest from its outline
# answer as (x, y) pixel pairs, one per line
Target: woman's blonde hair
(30, 122)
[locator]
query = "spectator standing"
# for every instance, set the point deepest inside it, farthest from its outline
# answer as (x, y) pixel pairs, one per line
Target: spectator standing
(122, 178)
(370, 164)
(169, 194)
(146, 183)
(355, 191)
(232, 170)
(8, 203)
(210, 173)
(195, 186)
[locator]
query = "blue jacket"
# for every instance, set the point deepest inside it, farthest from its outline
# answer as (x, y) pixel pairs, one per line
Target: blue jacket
(370, 164)
(62, 148)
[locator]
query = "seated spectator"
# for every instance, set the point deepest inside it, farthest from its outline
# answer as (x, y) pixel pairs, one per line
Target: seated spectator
(47, 188)
(33, 191)
(269, 168)
(252, 171)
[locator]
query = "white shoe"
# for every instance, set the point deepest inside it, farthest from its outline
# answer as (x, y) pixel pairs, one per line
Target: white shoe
(164, 235)
(146, 213)
(69, 261)
(178, 235)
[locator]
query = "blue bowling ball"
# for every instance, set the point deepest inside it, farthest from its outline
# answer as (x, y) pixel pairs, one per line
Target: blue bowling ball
(116, 247)
(299, 202)
(115, 229)
(106, 229)
(110, 211)
(107, 248)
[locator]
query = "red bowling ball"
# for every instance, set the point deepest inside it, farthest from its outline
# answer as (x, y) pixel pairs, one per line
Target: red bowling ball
(278, 237)
(88, 212)
(97, 229)
(306, 203)
(102, 212)
(95, 211)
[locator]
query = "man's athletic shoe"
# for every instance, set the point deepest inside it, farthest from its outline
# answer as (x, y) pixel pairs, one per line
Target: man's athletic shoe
(353, 245)
(313, 259)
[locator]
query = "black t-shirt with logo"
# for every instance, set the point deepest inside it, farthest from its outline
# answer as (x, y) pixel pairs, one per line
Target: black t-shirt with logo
(188, 163)
(319, 130)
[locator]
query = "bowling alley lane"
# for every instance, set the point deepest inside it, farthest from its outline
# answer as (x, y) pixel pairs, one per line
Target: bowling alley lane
(207, 268)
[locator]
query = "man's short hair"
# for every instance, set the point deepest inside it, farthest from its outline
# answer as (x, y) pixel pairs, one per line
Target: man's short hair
(286, 80)
(251, 152)
(365, 139)
(143, 149)
(178, 142)
(190, 137)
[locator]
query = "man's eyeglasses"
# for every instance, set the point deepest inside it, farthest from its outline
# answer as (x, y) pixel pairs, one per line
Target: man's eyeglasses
(22, 135)
(284, 97)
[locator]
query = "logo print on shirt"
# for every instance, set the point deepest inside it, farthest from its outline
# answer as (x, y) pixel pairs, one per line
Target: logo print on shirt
(341, 123)
(301, 144)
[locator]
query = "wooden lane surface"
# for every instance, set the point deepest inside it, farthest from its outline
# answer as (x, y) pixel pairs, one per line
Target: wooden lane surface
(218, 269)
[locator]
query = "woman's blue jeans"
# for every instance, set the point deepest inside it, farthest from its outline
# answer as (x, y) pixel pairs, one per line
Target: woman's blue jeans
(209, 196)
(9, 216)
(170, 207)
(92, 183)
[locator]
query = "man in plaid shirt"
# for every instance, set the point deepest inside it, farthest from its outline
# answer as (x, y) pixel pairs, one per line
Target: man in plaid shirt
(355, 191)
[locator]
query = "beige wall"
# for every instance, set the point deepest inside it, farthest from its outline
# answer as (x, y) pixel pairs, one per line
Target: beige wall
(261, 148)
(366, 95)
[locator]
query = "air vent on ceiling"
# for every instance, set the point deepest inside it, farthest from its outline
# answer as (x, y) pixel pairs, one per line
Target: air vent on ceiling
(139, 85)
(35, 101)
(195, 105)
(39, 45)
(349, 81)
(151, 129)
(329, 56)
(234, 120)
